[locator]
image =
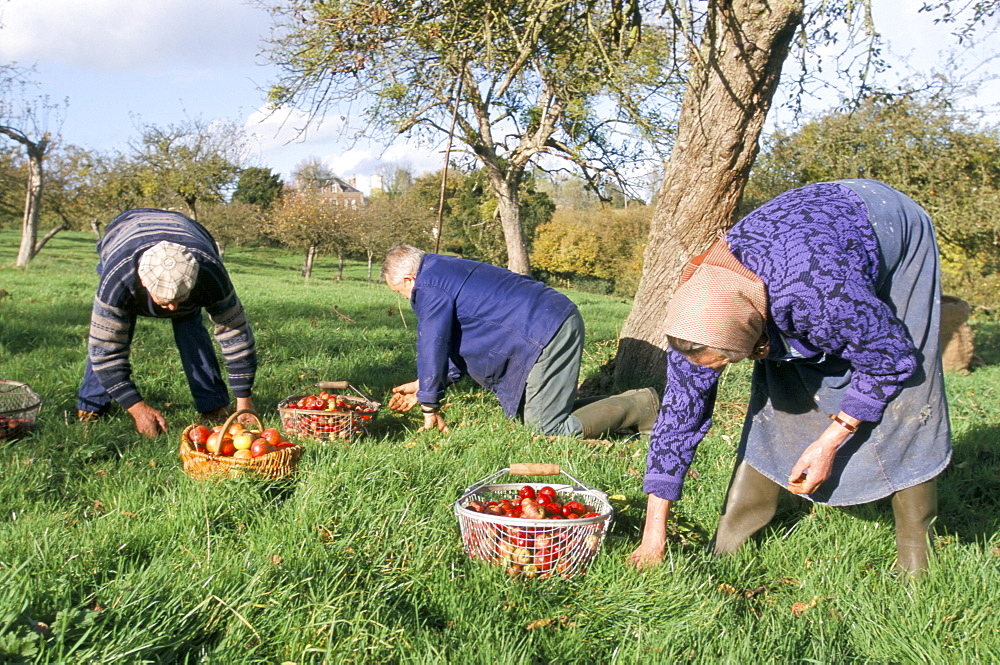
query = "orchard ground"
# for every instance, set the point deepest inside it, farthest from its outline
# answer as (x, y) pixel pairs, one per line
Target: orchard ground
(111, 553)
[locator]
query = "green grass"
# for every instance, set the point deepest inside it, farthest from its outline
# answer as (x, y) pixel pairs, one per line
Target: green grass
(124, 558)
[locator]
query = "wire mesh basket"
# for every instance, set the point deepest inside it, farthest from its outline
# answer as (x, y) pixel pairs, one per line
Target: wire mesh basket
(19, 407)
(533, 548)
(342, 418)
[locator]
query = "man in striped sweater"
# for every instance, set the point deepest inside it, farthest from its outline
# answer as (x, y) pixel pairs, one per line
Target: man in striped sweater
(164, 265)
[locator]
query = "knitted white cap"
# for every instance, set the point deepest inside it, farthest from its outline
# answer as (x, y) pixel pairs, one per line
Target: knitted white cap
(168, 271)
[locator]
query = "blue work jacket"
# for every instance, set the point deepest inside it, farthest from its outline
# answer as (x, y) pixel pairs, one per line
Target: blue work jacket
(477, 319)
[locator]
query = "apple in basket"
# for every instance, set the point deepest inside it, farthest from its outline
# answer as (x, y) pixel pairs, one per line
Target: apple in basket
(213, 443)
(272, 436)
(260, 447)
(243, 440)
(199, 435)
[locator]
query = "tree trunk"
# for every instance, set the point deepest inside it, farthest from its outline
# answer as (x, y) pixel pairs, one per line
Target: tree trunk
(32, 199)
(340, 264)
(371, 255)
(307, 265)
(49, 236)
(733, 78)
(508, 205)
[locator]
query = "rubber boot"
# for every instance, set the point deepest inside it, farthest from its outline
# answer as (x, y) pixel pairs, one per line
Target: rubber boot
(914, 509)
(632, 409)
(751, 502)
(584, 401)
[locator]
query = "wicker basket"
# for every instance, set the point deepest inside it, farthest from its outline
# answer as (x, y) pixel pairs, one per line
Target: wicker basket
(533, 547)
(206, 466)
(19, 407)
(345, 424)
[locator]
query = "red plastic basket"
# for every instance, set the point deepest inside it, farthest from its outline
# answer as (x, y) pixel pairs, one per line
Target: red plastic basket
(342, 424)
(19, 407)
(534, 548)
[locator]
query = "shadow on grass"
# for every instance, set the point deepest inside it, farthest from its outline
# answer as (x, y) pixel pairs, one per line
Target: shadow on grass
(47, 326)
(987, 341)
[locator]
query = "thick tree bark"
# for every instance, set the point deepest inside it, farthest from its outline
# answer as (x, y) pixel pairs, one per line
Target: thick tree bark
(732, 81)
(33, 194)
(509, 209)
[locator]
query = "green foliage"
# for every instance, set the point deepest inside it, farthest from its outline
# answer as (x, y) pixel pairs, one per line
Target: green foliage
(536, 79)
(111, 553)
(258, 186)
(922, 147)
(313, 221)
(581, 246)
(470, 226)
(235, 223)
(190, 163)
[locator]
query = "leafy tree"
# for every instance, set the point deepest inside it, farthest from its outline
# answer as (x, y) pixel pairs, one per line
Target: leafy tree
(520, 79)
(385, 221)
(192, 162)
(470, 225)
(24, 120)
(594, 244)
(72, 190)
(921, 146)
(313, 222)
(235, 223)
(12, 178)
(738, 48)
(258, 186)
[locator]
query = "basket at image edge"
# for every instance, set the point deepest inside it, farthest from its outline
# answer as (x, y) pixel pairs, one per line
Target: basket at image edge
(206, 466)
(19, 407)
(531, 547)
(327, 425)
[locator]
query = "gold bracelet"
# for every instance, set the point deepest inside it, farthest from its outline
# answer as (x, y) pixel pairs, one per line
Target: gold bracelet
(843, 423)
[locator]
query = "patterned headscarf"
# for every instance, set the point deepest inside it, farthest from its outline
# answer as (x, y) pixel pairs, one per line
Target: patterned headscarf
(168, 271)
(719, 302)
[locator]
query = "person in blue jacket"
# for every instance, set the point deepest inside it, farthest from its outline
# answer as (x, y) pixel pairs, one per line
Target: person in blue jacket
(161, 264)
(513, 335)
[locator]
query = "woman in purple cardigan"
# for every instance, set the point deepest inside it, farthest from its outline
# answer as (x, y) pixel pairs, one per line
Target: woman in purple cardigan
(834, 290)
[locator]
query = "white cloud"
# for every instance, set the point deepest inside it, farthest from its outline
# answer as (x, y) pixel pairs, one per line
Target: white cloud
(131, 34)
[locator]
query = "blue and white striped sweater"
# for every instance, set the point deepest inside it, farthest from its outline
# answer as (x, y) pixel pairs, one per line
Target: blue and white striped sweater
(121, 298)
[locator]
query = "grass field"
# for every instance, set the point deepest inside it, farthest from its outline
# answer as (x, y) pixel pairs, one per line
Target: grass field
(110, 553)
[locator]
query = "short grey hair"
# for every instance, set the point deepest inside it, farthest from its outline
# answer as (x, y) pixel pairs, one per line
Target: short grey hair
(400, 261)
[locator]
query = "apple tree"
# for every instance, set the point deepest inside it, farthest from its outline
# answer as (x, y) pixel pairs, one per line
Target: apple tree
(522, 82)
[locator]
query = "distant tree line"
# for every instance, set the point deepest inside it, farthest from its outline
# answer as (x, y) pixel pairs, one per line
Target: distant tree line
(577, 237)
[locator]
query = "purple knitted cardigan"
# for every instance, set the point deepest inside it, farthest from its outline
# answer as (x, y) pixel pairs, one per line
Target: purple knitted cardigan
(816, 252)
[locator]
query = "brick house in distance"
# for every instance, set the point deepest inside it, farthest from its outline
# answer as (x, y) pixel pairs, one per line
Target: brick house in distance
(341, 192)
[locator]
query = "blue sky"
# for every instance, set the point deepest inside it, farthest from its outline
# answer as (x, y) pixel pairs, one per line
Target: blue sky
(126, 63)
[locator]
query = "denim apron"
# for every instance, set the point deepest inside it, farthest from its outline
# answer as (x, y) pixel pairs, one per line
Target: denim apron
(792, 395)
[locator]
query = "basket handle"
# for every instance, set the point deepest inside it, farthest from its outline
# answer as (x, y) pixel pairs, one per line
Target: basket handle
(333, 385)
(236, 414)
(534, 469)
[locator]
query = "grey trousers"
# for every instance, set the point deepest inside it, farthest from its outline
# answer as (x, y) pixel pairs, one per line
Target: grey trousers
(551, 387)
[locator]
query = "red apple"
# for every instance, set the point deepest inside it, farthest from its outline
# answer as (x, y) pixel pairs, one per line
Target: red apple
(199, 435)
(259, 447)
(272, 435)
